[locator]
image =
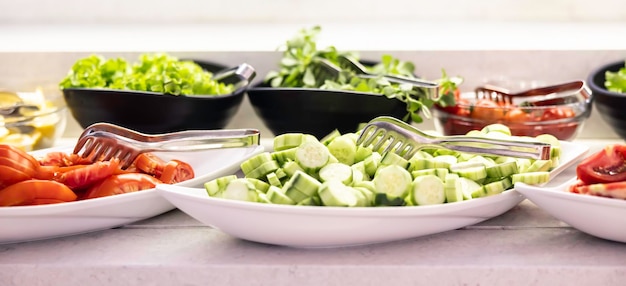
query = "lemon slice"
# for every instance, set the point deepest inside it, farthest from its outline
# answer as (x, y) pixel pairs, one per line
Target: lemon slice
(25, 142)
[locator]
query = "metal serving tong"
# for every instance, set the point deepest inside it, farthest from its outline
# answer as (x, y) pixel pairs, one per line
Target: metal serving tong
(324, 69)
(563, 93)
(104, 141)
(405, 140)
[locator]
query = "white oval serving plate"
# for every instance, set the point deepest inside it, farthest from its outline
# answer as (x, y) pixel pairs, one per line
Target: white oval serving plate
(25, 223)
(312, 226)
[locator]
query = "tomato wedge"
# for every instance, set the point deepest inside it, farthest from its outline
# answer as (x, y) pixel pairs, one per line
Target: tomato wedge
(149, 164)
(33, 192)
(121, 184)
(606, 166)
(615, 190)
(176, 171)
(82, 177)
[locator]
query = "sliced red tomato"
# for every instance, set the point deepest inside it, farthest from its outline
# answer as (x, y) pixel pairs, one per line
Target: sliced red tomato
(176, 171)
(150, 164)
(33, 192)
(121, 184)
(10, 176)
(18, 155)
(62, 159)
(606, 166)
(615, 190)
(81, 177)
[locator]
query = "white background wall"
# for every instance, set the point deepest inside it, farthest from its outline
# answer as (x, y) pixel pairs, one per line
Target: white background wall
(281, 11)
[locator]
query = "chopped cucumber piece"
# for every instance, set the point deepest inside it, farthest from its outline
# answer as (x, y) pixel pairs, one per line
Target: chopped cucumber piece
(304, 183)
(391, 158)
(532, 178)
(334, 193)
(215, 186)
(291, 140)
(276, 196)
(502, 170)
(467, 187)
(285, 155)
(255, 161)
(371, 163)
(336, 171)
(428, 190)
(362, 153)
(344, 149)
(259, 184)
(539, 166)
(312, 156)
(291, 167)
(393, 181)
(263, 170)
(273, 180)
(241, 190)
(330, 137)
(452, 188)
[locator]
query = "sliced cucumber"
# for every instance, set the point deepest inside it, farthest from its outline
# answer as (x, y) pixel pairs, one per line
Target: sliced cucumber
(336, 171)
(312, 156)
(255, 161)
(330, 137)
(344, 149)
(259, 184)
(358, 172)
(304, 183)
(539, 166)
(263, 170)
(291, 140)
(273, 180)
(241, 190)
(452, 188)
(276, 196)
(362, 153)
(502, 170)
(215, 186)
(334, 193)
(371, 163)
(532, 178)
(391, 158)
(285, 155)
(439, 172)
(291, 167)
(428, 190)
(472, 170)
(467, 187)
(393, 180)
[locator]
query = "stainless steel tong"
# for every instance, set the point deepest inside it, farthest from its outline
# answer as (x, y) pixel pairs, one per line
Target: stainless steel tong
(103, 141)
(326, 70)
(405, 140)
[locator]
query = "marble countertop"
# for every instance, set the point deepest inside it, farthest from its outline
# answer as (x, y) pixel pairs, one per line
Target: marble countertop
(525, 246)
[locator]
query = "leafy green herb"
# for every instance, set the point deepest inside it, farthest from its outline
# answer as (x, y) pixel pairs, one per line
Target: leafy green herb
(153, 72)
(296, 70)
(616, 81)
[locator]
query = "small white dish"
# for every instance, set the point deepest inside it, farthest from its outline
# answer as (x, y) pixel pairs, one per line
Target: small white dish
(597, 216)
(311, 226)
(26, 223)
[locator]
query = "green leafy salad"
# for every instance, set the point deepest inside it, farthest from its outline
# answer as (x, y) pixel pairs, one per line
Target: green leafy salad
(296, 70)
(616, 81)
(157, 72)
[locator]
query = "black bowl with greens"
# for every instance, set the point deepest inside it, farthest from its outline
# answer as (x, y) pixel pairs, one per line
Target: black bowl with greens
(173, 105)
(608, 84)
(318, 111)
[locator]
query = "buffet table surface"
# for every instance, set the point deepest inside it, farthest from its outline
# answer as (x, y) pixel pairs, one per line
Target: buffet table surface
(525, 246)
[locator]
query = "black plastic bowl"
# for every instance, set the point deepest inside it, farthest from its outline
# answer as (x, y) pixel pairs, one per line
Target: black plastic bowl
(319, 112)
(151, 112)
(610, 105)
